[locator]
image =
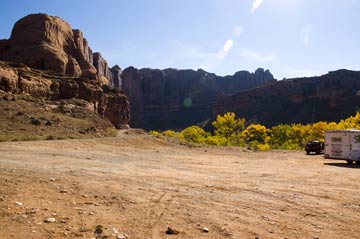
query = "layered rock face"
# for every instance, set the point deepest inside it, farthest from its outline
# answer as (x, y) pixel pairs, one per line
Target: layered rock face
(116, 74)
(174, 99)
(48, 43)
(110, 103)
(330, 97)
(72, 70)
(103, 71)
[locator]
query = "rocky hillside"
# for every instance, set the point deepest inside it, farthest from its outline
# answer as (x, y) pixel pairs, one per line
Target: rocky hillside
(47, 60)
(174, 99)
(330, 97)
(24, 117)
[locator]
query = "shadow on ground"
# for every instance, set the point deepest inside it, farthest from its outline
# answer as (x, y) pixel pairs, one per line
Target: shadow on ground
(314, 154)
(343, 165)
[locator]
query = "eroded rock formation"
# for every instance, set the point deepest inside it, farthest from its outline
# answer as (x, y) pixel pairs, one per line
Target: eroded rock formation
(102, 68)
(65, 67)
(103, 100)
(48, 43)
(116, 76)
(330, 97)
(174, 99)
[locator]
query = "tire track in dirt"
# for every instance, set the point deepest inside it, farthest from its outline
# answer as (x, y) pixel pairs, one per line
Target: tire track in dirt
(154, 213)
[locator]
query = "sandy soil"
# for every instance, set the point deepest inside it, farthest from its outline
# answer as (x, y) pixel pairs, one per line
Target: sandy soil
(136, 186)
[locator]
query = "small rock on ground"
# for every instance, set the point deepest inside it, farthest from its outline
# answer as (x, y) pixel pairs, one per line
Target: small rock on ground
(50, 220)
(121, 236)
(205, 229)
(171, 231)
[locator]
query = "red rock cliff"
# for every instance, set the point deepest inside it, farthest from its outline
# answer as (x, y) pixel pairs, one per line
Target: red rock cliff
(330, 97)
(49, 44)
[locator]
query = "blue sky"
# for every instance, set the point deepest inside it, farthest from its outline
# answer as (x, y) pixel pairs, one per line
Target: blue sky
(292, 38)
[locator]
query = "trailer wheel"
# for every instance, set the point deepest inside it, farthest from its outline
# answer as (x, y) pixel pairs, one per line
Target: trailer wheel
(307, 152)
(349, 161)
(317, 151)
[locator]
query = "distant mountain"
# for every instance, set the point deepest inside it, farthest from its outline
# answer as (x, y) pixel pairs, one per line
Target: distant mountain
(330, 97)
(175, 99)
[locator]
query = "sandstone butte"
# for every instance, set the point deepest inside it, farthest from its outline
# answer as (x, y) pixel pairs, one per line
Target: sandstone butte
(44, 57)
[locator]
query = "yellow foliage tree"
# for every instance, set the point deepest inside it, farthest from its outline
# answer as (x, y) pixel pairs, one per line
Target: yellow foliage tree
(256, 136)
(216, 140)
(194, 134)
(317, 130)
(228, 127)
(173, 134)
(231, 131)
(353, 122)
(279, 136)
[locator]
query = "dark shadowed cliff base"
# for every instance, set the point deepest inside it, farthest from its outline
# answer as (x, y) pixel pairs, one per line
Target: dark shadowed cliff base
(175, 99)
(330, 97)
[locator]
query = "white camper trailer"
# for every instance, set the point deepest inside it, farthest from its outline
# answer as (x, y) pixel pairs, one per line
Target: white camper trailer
(343, 144)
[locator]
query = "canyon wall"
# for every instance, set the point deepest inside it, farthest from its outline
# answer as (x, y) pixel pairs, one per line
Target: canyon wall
(174, 99)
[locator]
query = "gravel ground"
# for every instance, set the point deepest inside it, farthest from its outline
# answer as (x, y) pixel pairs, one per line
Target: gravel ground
(140, 186)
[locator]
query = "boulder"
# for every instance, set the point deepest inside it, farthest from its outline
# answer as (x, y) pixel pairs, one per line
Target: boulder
(117, 109)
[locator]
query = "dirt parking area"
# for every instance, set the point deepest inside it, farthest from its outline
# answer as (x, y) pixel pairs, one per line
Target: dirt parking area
(138, 186)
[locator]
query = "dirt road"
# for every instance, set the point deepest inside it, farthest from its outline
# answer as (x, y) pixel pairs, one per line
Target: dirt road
(136, 186)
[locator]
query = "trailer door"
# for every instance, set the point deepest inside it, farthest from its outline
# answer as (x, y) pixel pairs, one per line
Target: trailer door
(337, 144)
(355, 145)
